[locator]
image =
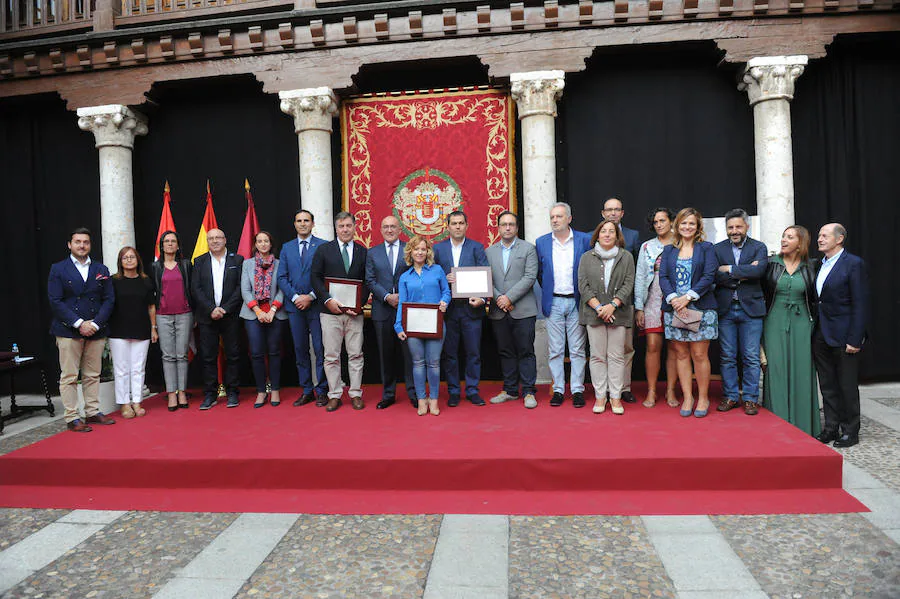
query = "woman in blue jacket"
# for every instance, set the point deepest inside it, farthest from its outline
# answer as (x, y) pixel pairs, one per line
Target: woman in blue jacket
(424, 283)
(686, 276)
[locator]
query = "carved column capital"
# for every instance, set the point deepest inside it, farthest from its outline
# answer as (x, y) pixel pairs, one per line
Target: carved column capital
(772, 77)
(537, 92)
(313, 108)
(112, 125)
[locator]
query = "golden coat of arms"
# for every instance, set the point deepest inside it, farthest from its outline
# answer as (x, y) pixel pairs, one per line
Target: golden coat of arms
(423, 200)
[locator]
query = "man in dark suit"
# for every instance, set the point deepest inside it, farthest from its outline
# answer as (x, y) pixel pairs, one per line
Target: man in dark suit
(839, 335)
(342, 258)
(514, 269)
(464, 316)
(384, 265)
(613, 210)
(216, 288)
(302, 307)
(81, 301)
(741, 307)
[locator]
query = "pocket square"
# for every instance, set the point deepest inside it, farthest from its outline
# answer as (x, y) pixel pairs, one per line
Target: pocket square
(690, 321)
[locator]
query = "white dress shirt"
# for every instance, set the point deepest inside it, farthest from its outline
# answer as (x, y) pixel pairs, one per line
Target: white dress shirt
(563, 264)
(825, 270)
(349, 246)
(300, 240)
(218, 276)
(456, 251)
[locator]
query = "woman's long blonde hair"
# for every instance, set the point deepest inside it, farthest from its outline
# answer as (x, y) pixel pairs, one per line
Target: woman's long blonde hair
(411, 245)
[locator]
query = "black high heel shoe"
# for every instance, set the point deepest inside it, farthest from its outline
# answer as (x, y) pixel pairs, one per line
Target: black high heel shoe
(259, 403)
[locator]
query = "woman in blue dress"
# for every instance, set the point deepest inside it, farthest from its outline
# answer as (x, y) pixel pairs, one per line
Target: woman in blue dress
(424, 283)
(686, 276)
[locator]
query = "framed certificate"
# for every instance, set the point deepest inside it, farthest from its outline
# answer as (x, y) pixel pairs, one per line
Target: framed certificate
(425, 321)
(348, 292)
(472, 281)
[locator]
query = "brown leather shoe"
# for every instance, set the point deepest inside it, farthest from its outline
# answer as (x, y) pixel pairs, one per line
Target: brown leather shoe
(333, 404)
(321, 400)
(750, 408)
(358, 403)
(728, 404)
(100, 418)
(78, 426)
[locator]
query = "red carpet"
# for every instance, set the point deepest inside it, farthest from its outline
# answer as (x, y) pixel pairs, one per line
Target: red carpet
(495, 459)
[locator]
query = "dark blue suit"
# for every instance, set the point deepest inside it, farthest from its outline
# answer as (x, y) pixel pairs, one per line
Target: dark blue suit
(294, 278)
(544, 247)
(382, 281)
(703, 275)
(843, 315)
(632, 239)
(462, 320)
(72, 298)
(741, 308)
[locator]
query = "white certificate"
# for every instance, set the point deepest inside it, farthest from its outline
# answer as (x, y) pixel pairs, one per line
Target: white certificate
(343, 293)
(422, 320)
(473, 281)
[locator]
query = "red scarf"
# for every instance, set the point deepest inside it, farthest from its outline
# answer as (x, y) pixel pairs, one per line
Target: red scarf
(262, 278)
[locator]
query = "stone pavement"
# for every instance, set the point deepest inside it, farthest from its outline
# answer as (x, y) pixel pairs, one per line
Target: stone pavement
(84, 553)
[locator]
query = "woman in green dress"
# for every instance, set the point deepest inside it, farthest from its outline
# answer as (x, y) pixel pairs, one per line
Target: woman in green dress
(790, 290)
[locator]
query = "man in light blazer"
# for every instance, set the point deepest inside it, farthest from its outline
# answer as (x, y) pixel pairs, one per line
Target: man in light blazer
(514, 269)
(463, 319)
(384, 265)
(839, 335)
(742, 309)
(303, 308)
(216, 289)
(342, 258)
(81, 301)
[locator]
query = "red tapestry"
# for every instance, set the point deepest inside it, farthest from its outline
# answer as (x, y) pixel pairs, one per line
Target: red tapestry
(419, 157)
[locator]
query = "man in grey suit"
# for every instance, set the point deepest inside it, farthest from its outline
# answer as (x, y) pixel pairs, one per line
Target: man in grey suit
(384, 265)
(514, 269)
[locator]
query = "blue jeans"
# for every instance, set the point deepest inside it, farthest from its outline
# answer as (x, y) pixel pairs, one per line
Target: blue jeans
(305, 325)
(561, 324)
(426, 363)
(265, 340)
(740, 333)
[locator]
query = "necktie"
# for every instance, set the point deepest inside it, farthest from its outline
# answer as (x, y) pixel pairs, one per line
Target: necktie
(391, 259)
(303, 250)
(346, 256)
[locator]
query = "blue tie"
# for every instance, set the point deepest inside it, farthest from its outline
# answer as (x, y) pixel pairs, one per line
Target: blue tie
(303, 250)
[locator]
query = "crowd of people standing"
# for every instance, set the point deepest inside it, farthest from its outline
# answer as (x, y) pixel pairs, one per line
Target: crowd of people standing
(807, 317)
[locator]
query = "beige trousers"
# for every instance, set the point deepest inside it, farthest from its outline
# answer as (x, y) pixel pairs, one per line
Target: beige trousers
(629, 358)
(346, 330)
(85, 355)
(607, 359)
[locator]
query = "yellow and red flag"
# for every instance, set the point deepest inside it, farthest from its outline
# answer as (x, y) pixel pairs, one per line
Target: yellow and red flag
(209, 223)
(251, 226)
(166, 222)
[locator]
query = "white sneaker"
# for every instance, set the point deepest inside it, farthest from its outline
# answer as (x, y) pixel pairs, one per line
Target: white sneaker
(502, 397)
(530, 401)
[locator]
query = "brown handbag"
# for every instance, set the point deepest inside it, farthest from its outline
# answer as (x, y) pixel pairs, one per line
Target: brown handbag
(690, 322)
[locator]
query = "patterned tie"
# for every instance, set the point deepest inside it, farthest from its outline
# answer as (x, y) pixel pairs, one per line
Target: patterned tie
(346, 256)
(391, 259)
(303, 250)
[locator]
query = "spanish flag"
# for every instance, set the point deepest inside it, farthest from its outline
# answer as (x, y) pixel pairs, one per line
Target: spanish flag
(166, 222)
(209, 223)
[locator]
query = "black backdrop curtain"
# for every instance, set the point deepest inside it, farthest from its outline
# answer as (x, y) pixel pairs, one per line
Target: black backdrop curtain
(846, 132)
(659, 127)
(51, 184)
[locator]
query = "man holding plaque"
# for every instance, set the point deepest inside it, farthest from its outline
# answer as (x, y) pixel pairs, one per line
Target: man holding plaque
(338, 270)
(384, 265)
(463, 319)
(514, 269)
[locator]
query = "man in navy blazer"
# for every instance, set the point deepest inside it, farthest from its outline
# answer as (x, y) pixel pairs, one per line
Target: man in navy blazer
(464, 316)
(342, 258)
(81, 301)
(384, 265)
(742, 309)
(216, 289)
(839, 335)
(302, 307)
(614, 210)
(559, 253)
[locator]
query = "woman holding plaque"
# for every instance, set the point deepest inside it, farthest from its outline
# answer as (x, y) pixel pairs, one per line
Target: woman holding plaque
(262, 317)
(424, 283)
(606, 285)
(687, 275)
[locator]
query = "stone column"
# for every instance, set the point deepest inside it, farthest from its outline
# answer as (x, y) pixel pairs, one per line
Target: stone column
(114, 127)
(536, 94)
(769, 82)
(314, 110)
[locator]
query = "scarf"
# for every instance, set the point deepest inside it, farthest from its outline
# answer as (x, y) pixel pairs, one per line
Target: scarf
(606, 254)
(262, 278)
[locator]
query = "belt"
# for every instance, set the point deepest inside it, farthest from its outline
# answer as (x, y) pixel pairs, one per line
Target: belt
(571, 295)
